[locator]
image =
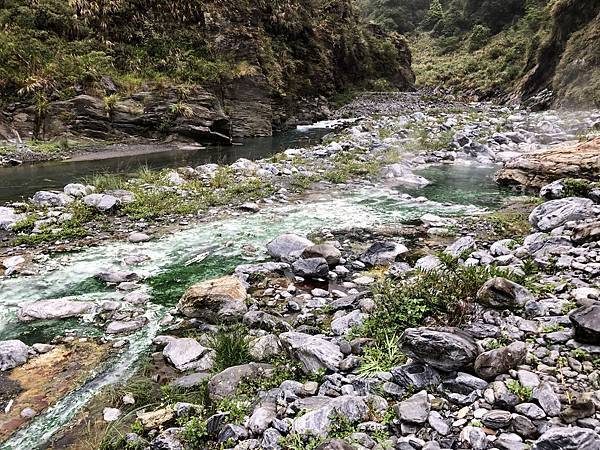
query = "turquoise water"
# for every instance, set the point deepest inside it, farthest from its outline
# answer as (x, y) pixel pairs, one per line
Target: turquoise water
(228, 241)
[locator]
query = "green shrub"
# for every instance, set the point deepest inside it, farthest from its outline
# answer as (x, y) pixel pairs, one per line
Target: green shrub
(479, 37)
(445, 295)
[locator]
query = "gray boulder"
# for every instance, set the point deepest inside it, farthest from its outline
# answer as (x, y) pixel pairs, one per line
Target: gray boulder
(78, 190)
(490, 364)
(225, 383)
(331, 254)
(343, 324)
(45, 198)
(415, 409)
(311, 268)
(446, 349)
(428, 263)
(556, 213)
(262, 268)
(137, 237)
(319, 421)
(547, 399)
(586, 322)
(288, 247)
(187, 354)
(501, 293)
(313, 352)
(123, 327)
(102, 202)
(13, 353)
(416, 376)
(383, 253)
(265, 348)
(54, 309)
(117, 276)
(461, 246)
(573, 438)
(8, 217)
(265, 321)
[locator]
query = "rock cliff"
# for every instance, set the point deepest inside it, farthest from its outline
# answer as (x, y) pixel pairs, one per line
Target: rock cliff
(209, 72)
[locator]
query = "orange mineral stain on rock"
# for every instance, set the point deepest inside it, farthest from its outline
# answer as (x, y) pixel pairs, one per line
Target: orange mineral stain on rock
(47, 378)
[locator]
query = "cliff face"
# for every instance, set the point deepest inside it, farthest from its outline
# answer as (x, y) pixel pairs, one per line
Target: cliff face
(207, 70)
(568, 60)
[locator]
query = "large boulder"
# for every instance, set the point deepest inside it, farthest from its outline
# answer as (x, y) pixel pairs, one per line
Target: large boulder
(311, 268)
(102, 202)
(414, 409)
(586, 322)
(501, 293)
(404, 176)
(586, 232)
(383, 253)
(318, 422)
(54, 309)
(225, 383)
(556, 213)
(490, 364)
(13, 353)
(539, 168)
(214, 301)
(117, 276)
(187, 353)
(313, 352)
(416, 376)
(460, 246)
(573, 438)
(288, 247)
(8, 217)
(78, 190)
(45, 198)
(341, 325)
(447, 349)
(331, 254)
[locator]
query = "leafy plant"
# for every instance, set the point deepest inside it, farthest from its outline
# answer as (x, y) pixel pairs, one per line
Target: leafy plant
(442, 295)
(195, 432)
(524, 393)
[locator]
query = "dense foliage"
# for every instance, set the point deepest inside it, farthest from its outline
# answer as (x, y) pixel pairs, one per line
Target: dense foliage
(53, 49)
(487, 47)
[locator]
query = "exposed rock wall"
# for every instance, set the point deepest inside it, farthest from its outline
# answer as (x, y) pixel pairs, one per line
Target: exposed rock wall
(284, 58)
(535, 170)
(568, 62)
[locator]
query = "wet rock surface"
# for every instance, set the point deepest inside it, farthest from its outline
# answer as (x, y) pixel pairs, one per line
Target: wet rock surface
(517, 369)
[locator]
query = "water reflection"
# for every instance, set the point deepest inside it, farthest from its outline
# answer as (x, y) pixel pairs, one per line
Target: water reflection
(22, 181)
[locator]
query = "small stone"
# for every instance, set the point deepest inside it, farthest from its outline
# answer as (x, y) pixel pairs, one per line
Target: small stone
(111, 414)
(137, 237)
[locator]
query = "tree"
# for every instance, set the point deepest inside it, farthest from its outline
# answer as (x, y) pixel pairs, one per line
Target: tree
(435, 14)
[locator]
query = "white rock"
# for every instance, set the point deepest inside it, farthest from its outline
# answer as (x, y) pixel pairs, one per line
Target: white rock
(111, 414)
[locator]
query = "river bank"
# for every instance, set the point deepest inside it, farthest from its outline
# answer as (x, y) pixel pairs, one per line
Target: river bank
(386, 191)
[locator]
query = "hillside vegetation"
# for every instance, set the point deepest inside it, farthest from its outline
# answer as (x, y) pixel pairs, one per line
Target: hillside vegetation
(273, 51)
(501, 48)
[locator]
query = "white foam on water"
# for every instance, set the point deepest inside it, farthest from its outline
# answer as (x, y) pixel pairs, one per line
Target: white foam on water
(364, 208)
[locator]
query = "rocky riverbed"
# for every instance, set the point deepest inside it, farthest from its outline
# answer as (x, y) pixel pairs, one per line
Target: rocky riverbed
(317, 299)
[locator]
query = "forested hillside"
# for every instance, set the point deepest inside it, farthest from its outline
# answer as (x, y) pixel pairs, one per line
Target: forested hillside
(147, 65)
(501, 48)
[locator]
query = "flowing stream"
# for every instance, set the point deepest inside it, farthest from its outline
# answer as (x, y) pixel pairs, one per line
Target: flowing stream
(22, 181)
(471, 188)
